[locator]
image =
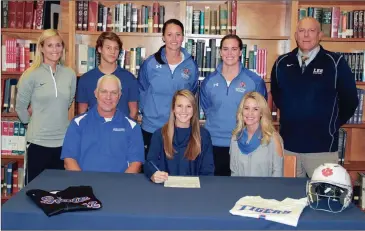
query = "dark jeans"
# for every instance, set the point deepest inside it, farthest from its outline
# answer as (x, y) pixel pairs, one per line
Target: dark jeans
(40, 158)
(221, 161)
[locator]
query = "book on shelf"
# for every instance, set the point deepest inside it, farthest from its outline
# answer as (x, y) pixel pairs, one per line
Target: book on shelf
(356, 62)
(12, 137)
(12, 178)
(337, 23)
(28, 14)
(358, 115)
(221, 20)
(8, 95)
(361, 181)
(17, 54)
(122, 17)
(342, 136)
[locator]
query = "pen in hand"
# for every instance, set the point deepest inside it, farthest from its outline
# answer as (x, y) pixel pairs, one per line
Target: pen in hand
(154, 166)
(159, 176)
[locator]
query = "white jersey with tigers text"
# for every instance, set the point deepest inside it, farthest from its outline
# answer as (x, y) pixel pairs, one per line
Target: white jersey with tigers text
(286, 211)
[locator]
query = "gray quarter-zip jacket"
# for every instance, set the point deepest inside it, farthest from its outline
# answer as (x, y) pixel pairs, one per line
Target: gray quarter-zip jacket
(50, 95)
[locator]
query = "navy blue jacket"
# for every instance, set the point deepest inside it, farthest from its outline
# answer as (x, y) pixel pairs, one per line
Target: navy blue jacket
(313, 105)
(157, 85)
(179, 165)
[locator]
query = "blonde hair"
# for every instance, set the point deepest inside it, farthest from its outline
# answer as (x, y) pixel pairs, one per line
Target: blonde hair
(194, 145)
(38, 58)
(267, 127)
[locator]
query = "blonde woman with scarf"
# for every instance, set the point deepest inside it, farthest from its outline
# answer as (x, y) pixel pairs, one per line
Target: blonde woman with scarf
(256, 148)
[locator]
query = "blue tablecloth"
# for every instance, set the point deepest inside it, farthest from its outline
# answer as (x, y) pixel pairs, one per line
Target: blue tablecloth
(131, 201)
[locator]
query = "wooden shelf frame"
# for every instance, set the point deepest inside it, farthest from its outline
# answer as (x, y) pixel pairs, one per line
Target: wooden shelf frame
(9, 114)
(344, 40)
(13, 157)
(97, 33)
(243, 37)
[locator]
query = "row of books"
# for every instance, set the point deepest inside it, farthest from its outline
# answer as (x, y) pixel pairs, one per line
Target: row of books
(357, 117)
(8, 94)
(123, 17)
(39, 14)
(17, 54)
(356, 61)
(212, 21)
(87, 59)
(336, 23)
(12, 178)
(206, 54)
(12, 137)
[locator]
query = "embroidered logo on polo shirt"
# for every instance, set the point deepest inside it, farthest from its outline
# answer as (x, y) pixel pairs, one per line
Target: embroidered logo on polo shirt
(158, 66)
(241, 87)
(118, 130)
(185, 73)
(317, 71)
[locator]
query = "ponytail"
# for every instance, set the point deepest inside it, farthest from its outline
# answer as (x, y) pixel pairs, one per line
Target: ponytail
(158, 56)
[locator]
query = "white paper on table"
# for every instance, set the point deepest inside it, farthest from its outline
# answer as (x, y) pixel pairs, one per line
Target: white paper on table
(182, 182)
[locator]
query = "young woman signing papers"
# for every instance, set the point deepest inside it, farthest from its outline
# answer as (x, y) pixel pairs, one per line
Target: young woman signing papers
(181, 147)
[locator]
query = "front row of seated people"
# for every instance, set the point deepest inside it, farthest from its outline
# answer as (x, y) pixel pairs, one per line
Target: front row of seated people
(104, 139)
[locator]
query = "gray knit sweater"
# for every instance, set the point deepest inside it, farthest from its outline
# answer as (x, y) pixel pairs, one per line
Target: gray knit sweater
(50, 95)
(263, 162)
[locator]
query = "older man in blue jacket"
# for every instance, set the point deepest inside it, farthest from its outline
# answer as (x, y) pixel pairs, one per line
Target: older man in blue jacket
(315, 91)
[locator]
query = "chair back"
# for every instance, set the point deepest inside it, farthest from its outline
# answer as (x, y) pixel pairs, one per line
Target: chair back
(290, 166)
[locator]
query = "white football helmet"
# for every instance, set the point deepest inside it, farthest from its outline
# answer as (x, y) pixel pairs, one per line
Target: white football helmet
(330, 188)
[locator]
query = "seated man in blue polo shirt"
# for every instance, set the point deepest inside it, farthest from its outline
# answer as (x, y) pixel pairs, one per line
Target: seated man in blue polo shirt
(104, 139)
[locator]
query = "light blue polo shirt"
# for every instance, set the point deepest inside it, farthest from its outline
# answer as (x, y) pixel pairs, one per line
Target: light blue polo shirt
(98, 145)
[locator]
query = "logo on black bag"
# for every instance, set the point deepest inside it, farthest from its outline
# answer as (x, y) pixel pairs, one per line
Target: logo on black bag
(49, 200)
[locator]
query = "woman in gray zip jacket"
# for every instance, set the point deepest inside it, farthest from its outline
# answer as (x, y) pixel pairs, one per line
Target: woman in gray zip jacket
(256, 148)
(49, 88)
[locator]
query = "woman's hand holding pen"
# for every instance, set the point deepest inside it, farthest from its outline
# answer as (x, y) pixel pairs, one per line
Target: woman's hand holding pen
(159, 177)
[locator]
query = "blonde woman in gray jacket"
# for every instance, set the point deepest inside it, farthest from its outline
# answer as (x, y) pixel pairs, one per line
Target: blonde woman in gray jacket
(256, 148)
(49, 87)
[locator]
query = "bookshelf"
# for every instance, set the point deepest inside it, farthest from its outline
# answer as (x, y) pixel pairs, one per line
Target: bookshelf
(267, 24)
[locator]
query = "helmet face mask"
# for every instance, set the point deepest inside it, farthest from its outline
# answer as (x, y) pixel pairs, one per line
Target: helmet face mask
(326, 197)
(330, 188)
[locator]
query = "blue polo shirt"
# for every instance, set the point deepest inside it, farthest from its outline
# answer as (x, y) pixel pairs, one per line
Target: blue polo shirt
(88, 81)
(103, 146)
